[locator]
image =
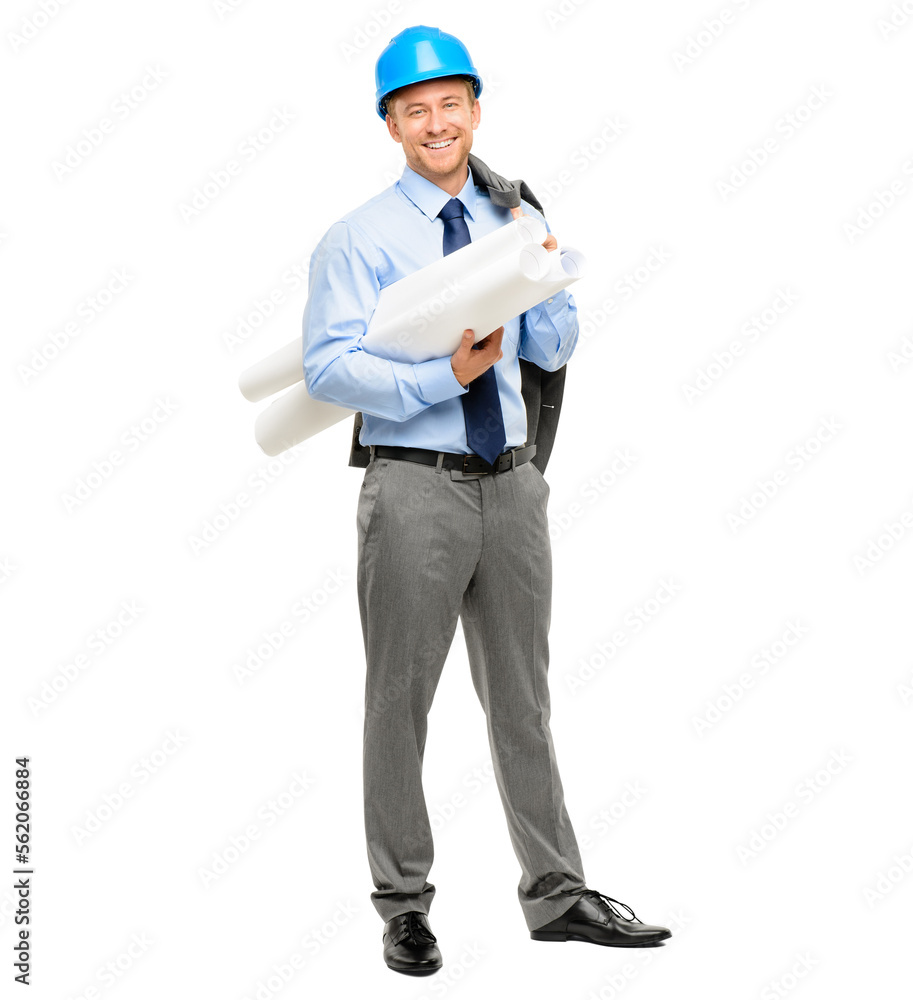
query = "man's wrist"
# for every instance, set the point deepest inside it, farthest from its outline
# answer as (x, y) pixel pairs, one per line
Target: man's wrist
(457, 377)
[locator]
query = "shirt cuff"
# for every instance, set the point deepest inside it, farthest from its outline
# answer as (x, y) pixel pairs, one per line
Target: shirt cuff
(436, 381)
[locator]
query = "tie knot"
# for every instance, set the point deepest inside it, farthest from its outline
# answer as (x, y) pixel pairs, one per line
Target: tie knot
(452, 210)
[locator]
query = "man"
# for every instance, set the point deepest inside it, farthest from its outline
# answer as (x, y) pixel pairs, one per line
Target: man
(451, 517)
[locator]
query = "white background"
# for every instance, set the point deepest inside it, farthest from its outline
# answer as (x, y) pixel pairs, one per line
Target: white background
(775, 840)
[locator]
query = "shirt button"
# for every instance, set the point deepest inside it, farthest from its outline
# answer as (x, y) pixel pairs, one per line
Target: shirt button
(551, 300)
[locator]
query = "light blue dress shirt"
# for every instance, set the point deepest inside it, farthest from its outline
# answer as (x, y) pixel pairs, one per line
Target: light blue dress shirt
(414, 405)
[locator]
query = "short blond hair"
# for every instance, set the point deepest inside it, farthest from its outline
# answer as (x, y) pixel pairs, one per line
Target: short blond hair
(391, 97)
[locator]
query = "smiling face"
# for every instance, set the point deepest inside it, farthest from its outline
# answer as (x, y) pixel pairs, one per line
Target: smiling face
(434, 122)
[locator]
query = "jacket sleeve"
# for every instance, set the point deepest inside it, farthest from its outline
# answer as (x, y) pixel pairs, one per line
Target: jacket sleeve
(343, 290)
(549, 330)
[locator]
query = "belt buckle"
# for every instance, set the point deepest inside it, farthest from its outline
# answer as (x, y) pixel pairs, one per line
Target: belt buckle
(475, 472)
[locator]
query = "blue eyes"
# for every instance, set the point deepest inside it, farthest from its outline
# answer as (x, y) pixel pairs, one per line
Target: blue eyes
(449, 104)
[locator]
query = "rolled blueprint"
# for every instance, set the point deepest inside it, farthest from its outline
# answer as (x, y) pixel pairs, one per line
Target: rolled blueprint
(408, 306)
(293, 418)
(274, 373)
(490, 296)
(414, 314)
(486, 299)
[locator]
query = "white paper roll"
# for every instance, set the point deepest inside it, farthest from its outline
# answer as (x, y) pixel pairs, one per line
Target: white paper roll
(480, 300)
(438, 281)
(293, 418)
(405, 307)
(281, 369)
(571, 262)
(490, 297)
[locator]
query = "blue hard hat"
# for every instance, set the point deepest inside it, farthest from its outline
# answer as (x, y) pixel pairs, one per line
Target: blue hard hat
(421, 53)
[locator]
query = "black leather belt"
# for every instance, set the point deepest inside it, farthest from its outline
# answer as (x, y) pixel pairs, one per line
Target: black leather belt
(470, 464)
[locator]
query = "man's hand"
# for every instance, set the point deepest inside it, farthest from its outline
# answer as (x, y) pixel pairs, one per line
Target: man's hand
(550, 242)
(470, 362)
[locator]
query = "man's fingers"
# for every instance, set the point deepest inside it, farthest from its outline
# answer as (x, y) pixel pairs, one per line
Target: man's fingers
(490, 343)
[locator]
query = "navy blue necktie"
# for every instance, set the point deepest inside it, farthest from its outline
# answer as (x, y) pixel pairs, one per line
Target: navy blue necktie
(482, 403)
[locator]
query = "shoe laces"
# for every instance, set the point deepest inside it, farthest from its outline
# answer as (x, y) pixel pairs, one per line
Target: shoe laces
(607, 901)
(412, 927)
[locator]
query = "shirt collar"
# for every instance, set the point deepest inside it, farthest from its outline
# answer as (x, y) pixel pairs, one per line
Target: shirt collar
(430, 199)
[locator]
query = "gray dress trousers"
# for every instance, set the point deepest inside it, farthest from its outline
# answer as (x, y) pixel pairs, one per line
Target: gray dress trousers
(435, 546)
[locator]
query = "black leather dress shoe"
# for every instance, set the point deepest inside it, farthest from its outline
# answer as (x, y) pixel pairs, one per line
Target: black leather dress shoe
(409, 945)
(593, 918)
